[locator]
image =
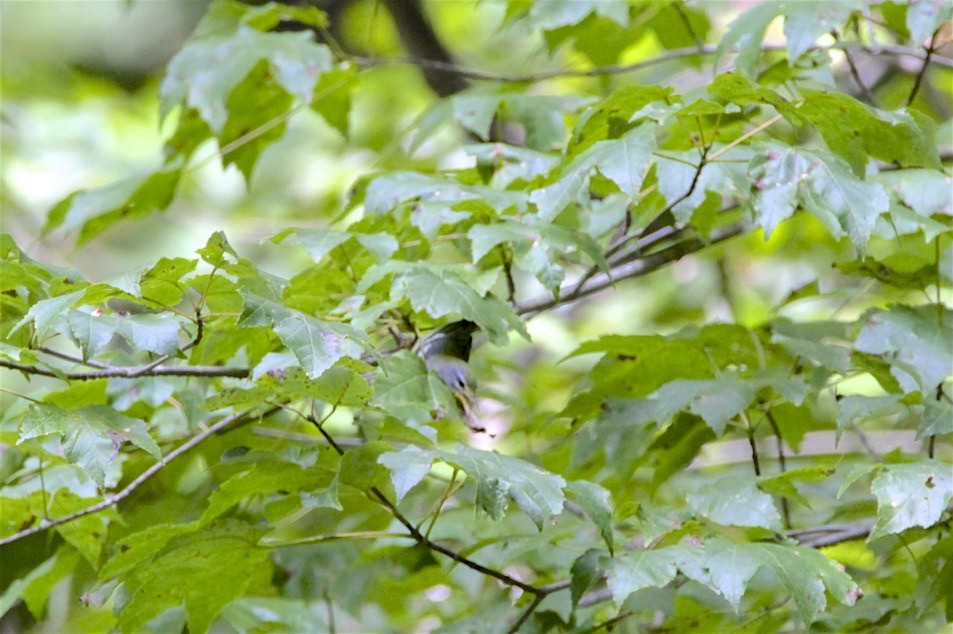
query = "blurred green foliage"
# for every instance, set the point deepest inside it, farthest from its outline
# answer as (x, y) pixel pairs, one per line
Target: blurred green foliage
(707, 246)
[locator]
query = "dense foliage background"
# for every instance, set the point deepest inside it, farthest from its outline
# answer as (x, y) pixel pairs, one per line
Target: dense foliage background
(707, 245)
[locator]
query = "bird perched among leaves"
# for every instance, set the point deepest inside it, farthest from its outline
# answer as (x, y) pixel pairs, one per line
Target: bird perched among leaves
(447, 352)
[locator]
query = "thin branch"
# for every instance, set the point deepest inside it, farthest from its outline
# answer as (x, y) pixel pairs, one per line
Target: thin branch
(855, 73)
(507, 258)
(144, 477)
(680, 9)
(744, 137)
(609, 623)
(923, 69)
(615, 69)
(585, 277)
(755, 461)
(526, 613)
(636, 268)
(415, 533)
(783, 465)
(332, 537)
(132, 372)
(831, 535)
(76, 360)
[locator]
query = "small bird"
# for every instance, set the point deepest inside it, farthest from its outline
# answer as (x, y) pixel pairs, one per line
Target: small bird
(447, 352)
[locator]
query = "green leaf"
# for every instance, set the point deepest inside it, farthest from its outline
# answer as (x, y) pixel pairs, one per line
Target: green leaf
(558, 13)
(201, 559)
(916, 343)
(319, 344)
(604, 119)
(785, 178)
(537, 246)
(935, 578)
(215, 250)
(332, 96)
(93, 211)
(910, 495)
(736, 501)
(858, 133)
(93, 329)
(388, 191)
(805, 573)
(864, 407)
(623, 161)
(937, 418)
(717, 400)
(48, 314)
(92, 435)
(256, 108)
(317, 242)
(407, 467)
(406, 390)
(927, 192)
(476, 112)
(823, 342)
(804, 23)
(85, 533)
(36, 587)
(596, 502)
(632, 572)
(204, 74)
(677, 178)
(747, 33)
(497, 477)
(586, 571)
(782, 484)
(726, 568)
(263, 479)
(316, 344)
(440, 291)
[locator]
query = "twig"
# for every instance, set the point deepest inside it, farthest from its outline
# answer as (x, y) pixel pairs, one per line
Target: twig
(508, 271)
(680, 9)
(144, 477)
(132, 372)
(783, 465)
(526, 613)
(869, 96)
(923, 69)
(831, 535)
(332, 537)
(754, 446)
(415, 533)
(472, 73)
(77, 360)
(636, 268)
(608, 623)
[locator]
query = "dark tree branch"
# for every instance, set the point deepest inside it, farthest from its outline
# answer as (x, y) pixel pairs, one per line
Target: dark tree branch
(421, 41)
